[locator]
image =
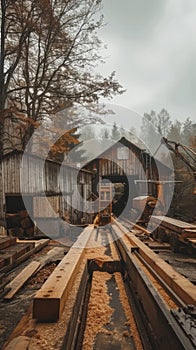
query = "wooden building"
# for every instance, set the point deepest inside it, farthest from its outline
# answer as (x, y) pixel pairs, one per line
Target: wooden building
(45, 188)
(51, 191)
(127, 164)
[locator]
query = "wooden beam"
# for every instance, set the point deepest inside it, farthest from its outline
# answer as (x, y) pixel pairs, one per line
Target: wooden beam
(21, 278)
(178, 283)
(50, 300)
(172, 224)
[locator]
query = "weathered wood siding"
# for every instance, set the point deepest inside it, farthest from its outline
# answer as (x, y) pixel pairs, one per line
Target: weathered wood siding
(2, 199)
(51, 175)
(40, 179)
(46, 206)
(121, 160)
(11, 173)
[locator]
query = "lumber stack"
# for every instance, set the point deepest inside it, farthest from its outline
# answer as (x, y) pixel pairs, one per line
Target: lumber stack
(11, 251)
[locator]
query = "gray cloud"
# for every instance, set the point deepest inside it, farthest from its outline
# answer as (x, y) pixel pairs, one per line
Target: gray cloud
(133, 19)
(151, 45)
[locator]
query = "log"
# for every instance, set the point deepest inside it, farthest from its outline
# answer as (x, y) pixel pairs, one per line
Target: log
(26, 223)
(54, 254)
(23, 214)
(30, 231)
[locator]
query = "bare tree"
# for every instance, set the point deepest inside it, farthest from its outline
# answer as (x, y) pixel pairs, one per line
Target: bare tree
(49, 58)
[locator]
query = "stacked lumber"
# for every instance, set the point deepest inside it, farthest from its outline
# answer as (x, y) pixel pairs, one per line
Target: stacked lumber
(11, 251)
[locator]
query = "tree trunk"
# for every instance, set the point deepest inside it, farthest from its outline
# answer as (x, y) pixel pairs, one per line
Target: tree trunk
(27, 142)
(2, 77)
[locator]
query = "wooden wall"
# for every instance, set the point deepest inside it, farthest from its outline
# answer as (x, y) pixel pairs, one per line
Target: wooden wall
(42, 179)
(120, 160)
(126, 159)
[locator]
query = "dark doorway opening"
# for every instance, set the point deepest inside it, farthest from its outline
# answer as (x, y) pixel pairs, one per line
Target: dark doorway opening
(14, 204)
(124, 191)
(18, 220)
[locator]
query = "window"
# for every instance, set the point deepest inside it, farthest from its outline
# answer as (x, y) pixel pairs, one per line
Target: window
(122, 153)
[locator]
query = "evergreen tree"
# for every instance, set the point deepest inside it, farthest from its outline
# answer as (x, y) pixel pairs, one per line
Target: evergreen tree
(163, 122)
(115, 132)
(188, 131)
(175, 132)
(87, 133)
(105, 134)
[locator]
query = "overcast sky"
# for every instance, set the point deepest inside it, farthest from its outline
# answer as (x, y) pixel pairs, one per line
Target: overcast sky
(152, 47)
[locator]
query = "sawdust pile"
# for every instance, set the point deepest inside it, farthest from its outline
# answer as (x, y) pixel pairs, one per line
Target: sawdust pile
(98, 255)
(99, 311)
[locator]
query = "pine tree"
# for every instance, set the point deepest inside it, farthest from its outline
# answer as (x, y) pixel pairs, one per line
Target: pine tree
(115, 132)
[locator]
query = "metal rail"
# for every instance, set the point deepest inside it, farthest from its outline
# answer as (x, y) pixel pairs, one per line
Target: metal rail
(168, 333)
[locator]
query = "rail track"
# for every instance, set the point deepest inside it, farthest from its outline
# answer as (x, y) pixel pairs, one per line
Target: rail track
(110, 291)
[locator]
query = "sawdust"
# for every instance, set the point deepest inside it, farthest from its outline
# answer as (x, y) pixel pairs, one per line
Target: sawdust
(41, 276)
(99, 311)
(98, 255)
(128, 312)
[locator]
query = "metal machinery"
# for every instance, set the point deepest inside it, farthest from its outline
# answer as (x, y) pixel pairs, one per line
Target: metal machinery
(180, 234)
(187, 155)
(143, 207)
(105, 203)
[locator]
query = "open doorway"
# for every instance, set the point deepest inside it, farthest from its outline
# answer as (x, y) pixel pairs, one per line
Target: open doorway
(18, 220)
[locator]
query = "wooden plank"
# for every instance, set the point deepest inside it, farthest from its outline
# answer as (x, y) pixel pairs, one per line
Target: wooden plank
(19, 343)
(38, 246)
(8, 256)
(173, 224)
(189, 233)
(50, 300)
(7, 242)
(178, 283)
(21, 278)
(5, 260)
(16, 251)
